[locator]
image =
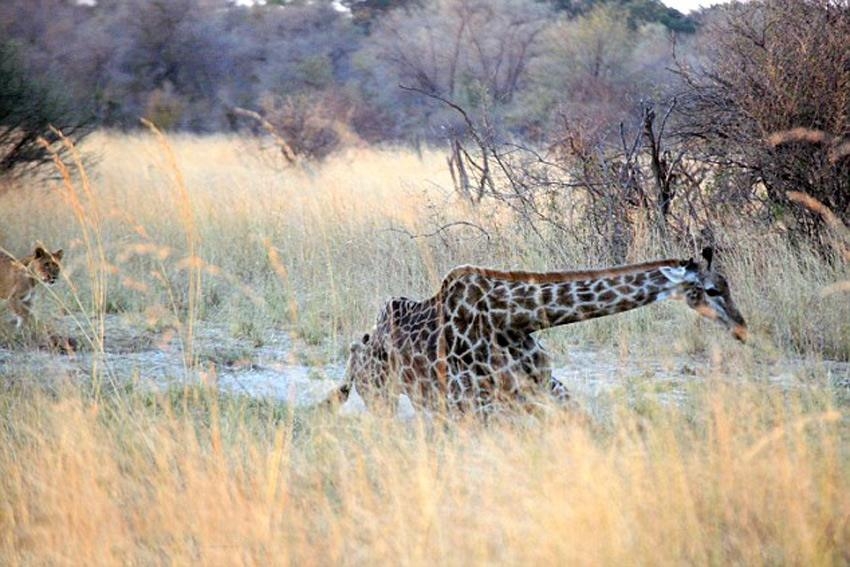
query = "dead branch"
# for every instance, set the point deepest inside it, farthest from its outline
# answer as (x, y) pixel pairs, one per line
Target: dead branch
(440, 231)
(460, 159)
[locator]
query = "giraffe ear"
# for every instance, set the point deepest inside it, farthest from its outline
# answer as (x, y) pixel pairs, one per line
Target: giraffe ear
(708, 255)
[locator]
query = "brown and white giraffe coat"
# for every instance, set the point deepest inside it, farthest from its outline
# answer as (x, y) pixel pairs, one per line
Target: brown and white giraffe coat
(471, 347)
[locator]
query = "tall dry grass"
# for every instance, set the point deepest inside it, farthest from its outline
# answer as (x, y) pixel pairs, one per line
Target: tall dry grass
(752, 477)
(186, 233)
(161, 223)
(314, 248)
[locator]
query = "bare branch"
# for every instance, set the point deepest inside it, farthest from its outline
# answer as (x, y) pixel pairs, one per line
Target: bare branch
(440, 231)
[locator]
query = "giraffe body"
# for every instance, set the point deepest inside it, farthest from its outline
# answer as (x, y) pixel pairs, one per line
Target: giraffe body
(472, 346)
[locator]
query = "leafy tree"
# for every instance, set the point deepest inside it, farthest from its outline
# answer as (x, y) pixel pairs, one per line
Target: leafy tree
(592, 71)
(456, 47)
(473, 52)
(638, 12)
(165, 52)
(368, 12)
(653, 11)
(28, 110)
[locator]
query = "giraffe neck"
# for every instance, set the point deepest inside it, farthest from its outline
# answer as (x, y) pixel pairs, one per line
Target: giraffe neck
(528, 301)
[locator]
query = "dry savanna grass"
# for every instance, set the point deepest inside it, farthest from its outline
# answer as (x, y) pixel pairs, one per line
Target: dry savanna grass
(751, 476)
(182, 235)
(181, 228)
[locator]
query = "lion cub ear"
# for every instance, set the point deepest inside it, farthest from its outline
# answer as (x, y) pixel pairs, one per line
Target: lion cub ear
(58, 254)
(40, 252)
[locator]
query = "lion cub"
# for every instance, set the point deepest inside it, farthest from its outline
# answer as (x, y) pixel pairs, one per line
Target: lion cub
(19, 278)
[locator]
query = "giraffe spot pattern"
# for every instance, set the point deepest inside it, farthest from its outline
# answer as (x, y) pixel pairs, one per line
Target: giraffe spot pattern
(473, 342)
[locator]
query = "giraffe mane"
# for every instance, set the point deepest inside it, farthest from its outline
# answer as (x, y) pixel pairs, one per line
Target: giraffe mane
(557, 276)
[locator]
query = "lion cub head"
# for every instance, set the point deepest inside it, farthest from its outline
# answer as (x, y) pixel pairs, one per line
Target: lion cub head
(45, 265)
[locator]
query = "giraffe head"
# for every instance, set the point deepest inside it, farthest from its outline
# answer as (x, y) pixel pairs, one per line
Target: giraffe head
(706, 291)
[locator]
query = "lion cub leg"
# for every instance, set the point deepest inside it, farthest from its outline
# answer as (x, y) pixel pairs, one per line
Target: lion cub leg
(21, 308)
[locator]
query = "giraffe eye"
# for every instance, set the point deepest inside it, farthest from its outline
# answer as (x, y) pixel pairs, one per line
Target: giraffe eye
(712, 292)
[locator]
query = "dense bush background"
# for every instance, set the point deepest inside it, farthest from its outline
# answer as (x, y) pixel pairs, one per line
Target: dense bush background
(663, 119)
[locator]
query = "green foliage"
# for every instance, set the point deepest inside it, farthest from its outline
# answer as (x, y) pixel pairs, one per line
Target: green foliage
(28, 110)
(589, 70)
(367, 12)
(164, 107)
(639, 12)
(316, 71)
(653, 11)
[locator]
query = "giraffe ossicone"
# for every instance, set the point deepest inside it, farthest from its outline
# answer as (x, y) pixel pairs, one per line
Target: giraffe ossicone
(472, 346)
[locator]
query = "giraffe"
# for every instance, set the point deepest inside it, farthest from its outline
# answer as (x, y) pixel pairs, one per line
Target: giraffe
(472, 346)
